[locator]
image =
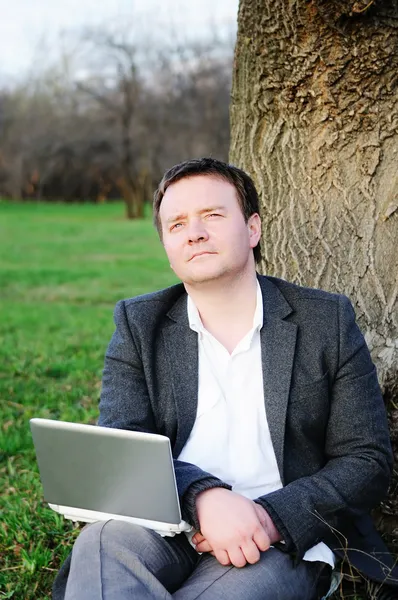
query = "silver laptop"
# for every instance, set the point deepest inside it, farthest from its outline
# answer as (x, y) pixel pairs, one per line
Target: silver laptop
(92, 473)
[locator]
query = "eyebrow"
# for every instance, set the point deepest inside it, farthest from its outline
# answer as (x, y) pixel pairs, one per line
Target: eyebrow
(180, 216)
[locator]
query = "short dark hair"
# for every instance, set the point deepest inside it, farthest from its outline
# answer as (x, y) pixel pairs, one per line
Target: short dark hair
(243, 184)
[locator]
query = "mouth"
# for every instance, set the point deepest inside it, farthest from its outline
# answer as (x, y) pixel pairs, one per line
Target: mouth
(200, 254)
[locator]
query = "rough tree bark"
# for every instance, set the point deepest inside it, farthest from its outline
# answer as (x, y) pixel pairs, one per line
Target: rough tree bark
(314, 119)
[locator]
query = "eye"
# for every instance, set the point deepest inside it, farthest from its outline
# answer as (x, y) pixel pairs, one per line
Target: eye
(176, 225)
(214, 215)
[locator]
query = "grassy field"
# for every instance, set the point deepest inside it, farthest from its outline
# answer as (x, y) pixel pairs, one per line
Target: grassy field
(62, 268)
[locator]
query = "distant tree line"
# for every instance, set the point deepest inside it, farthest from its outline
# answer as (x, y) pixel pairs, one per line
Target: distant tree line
(110, 129)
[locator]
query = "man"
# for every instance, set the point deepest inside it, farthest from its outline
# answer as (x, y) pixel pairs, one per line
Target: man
(271, 402)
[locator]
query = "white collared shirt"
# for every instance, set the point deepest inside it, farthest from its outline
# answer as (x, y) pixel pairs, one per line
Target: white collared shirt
(230, 438)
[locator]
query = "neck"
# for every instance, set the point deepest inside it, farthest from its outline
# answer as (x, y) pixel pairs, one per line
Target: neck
(227, 308)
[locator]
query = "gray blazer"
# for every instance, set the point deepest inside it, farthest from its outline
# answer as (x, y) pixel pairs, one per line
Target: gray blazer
(323, 403)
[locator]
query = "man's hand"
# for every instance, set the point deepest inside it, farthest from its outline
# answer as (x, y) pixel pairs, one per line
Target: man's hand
(231, 526)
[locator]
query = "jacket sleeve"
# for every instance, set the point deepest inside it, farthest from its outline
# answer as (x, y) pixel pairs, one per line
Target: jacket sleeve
(125, 404)
(357, 451)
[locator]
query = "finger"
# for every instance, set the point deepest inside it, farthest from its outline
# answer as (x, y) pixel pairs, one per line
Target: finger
(222, 557)
(203, 546)
(197, 538)
(237, 557)
(250, 552)
(261, 539)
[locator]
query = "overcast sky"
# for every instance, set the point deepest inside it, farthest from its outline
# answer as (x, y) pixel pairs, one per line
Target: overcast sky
(32, 28)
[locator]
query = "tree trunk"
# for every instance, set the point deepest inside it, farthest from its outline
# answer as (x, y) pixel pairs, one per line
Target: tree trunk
(131, 189)
(129, 195)
(315, 121)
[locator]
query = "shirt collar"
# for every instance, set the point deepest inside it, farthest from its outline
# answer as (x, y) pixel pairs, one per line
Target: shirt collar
(258, 318)
(195, 322)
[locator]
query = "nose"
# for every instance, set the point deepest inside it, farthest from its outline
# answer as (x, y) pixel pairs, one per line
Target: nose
(197, 232)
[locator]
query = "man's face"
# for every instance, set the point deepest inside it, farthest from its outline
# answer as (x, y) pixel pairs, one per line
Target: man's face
(203, 229)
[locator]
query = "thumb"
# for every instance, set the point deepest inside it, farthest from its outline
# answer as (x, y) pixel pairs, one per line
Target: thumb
(260, 513)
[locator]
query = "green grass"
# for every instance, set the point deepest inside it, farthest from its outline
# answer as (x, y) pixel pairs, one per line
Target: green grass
(62, 268)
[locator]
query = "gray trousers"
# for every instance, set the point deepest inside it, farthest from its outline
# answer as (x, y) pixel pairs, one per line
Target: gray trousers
(114, 560)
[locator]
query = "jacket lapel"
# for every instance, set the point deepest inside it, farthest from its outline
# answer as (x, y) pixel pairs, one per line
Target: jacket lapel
(278, 341)
(182, 355)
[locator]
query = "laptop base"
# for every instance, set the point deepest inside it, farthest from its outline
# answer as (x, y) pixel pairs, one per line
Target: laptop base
(91, 516)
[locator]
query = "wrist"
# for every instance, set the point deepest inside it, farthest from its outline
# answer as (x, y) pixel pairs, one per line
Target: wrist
(188, 504)
(211, 491)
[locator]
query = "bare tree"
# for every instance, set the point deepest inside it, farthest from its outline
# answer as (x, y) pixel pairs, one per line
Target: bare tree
(113, 115)
(118, 93)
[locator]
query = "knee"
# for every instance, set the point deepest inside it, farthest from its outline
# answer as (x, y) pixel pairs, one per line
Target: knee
(89, 538)
(112, 533)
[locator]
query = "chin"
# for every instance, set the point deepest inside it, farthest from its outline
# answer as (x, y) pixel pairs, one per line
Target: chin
(203, 276)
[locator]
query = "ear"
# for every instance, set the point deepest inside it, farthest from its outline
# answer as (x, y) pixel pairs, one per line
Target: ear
(254, 227)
